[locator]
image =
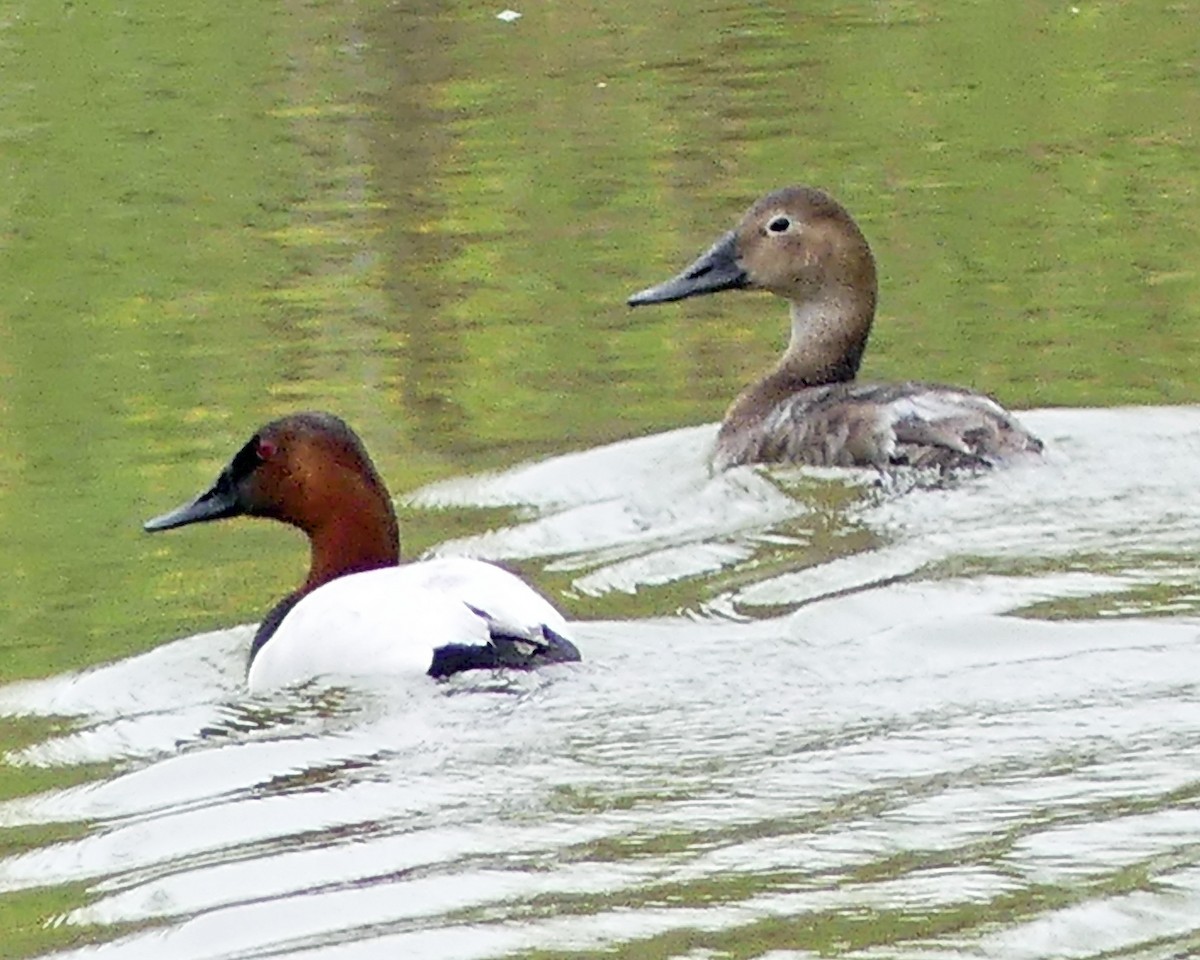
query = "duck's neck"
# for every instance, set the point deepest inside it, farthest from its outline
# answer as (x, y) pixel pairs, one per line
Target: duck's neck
(356, 531)
(828, 339)
(826, 346)
(365, 537)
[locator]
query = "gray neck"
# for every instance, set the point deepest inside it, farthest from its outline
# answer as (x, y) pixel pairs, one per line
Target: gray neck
(829, 336)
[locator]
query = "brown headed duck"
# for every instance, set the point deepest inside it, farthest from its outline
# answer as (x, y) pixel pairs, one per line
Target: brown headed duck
(800, 244)
(360, 611)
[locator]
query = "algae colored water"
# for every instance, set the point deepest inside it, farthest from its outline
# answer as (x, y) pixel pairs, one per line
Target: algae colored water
(816, 717)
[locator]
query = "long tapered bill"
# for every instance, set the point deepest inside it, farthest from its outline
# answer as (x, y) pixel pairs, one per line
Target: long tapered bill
(214, 504)
(716, 269)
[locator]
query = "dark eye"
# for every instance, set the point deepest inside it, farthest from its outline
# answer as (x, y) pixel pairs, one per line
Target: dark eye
(779, 225)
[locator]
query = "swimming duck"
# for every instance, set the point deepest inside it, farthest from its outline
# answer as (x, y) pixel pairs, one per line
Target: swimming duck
(360, 612)
(801, 244)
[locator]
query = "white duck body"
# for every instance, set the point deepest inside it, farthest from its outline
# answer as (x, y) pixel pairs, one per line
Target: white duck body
(360, 611)
(392, 621)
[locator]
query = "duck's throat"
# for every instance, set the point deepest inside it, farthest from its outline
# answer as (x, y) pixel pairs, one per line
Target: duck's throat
(827, 342)
(351, 546)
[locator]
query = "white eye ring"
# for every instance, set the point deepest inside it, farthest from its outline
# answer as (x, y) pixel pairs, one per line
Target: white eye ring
(779, 224)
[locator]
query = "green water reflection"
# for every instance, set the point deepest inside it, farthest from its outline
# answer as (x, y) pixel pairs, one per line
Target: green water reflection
(427, 220)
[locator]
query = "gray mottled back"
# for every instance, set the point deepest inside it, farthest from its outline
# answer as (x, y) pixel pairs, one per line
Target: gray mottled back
(881, 425)
(802, 245)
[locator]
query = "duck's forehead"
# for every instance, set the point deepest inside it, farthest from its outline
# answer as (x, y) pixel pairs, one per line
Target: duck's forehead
(301, 427)
(804, 203)
(279, 434)
(246, 459)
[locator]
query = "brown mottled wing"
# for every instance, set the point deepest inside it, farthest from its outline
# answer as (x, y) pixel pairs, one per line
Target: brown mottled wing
(878, 425)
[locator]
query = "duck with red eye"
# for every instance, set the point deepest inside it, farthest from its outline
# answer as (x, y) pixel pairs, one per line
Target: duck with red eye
(800, 244)
(360, 612)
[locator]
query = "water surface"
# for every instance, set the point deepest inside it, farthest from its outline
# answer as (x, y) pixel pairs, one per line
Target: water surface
(950, 740)
(817, 715)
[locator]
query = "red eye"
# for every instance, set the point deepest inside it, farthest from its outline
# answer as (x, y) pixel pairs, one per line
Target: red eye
(266, 449)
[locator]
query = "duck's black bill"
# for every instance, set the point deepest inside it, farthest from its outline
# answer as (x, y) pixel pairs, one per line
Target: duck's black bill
(214, 504)
(717, 269)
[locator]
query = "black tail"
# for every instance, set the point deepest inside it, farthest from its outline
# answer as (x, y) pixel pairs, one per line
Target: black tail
(505, 652)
